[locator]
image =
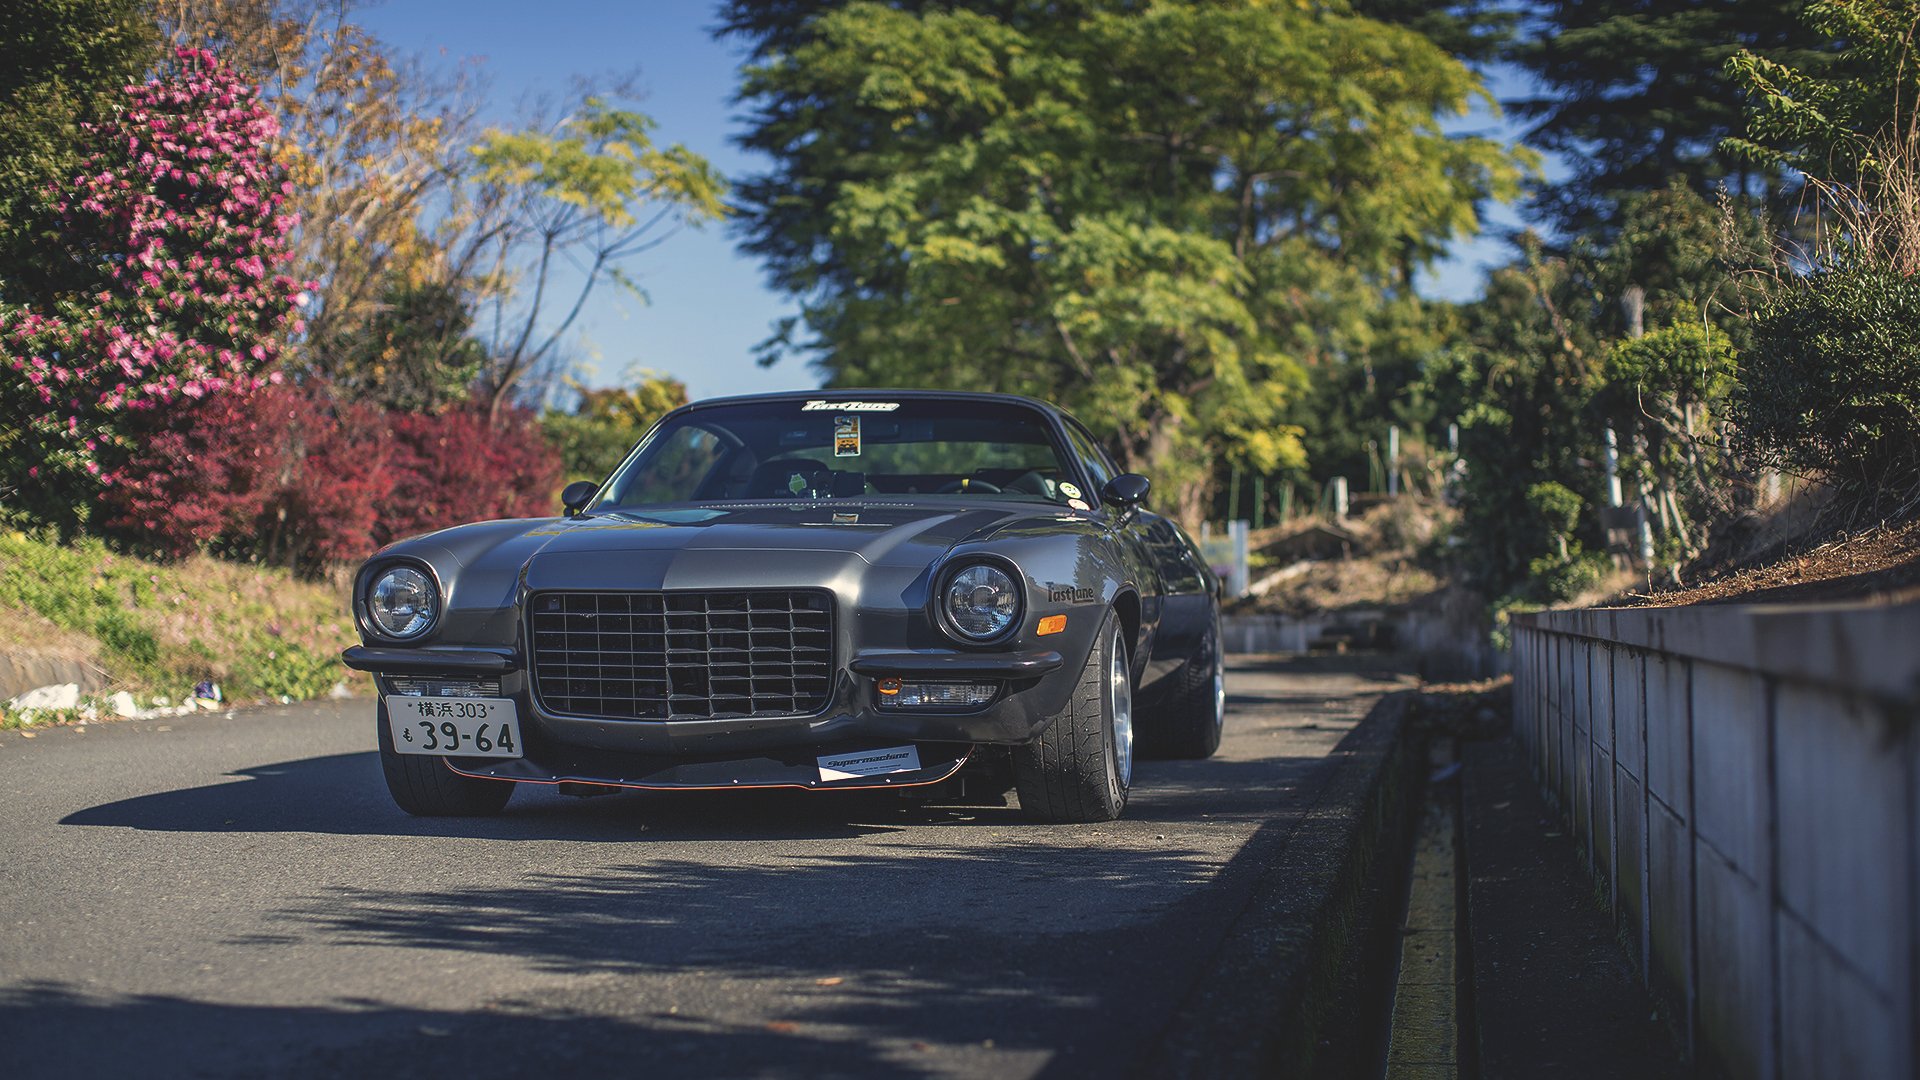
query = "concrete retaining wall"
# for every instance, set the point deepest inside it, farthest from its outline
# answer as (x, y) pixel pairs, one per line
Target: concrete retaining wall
(1744, 782)
(23, 671)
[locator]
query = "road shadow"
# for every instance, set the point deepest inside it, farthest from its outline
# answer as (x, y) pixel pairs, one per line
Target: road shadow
(788, 962)
(57, 1031)
(1056, 946)
(343, 795)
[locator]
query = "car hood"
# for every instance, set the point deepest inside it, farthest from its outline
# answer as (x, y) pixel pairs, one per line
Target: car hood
(738, 546)
(872, 531)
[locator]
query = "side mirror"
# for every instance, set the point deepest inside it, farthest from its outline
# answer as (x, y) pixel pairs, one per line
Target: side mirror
(577, 495)
(1126, 491)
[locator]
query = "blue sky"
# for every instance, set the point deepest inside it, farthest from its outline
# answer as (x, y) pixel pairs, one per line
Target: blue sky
(709, 303)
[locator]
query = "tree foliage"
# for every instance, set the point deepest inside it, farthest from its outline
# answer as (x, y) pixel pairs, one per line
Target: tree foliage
(1831, 387)
(1522, 381)
(63, 63)
(1636, 92)
(607, 422)
(450, 256)
(1161, 216)
(413, 351)
(373, 145)
(1822, 119)
(588, 193)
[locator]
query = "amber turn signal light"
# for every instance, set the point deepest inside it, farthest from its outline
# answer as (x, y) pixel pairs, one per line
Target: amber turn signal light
(890, 686)
(1052, 624)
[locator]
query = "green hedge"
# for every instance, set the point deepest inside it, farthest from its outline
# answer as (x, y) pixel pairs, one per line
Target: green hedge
(1831, 386)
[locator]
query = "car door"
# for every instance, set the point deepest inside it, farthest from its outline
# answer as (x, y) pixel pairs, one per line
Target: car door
(1133, 534)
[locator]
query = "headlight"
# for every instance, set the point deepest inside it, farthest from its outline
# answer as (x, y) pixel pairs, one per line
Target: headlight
(403, 602)
(982, 601)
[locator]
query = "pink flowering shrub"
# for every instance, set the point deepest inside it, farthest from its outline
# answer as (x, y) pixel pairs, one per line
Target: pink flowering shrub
(176, 235)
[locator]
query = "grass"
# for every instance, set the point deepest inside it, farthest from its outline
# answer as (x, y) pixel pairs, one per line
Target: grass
(159, 629)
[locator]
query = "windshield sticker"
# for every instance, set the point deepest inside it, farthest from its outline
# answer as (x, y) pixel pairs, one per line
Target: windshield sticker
(1071, 491)
(849, 406)
(1078, 504)
(846, 436)
(846, 519)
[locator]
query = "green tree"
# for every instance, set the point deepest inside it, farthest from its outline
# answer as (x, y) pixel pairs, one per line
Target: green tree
(1831, 383)
(586, 193)
(1674, 256)
(1161, 216)
(1853, 126)
(1825, 119)
(1521, 380)
(413, 351)
(63, 63)
(1476, 31)
(1635, 92)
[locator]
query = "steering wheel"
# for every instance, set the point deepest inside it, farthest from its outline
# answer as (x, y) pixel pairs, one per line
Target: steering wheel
(969, 484)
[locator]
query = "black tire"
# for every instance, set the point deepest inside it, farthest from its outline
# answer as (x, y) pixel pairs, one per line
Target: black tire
(424, 787)
(1188, 724)
(1081, 768)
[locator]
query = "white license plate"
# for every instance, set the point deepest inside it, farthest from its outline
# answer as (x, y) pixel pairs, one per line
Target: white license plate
(454, 727)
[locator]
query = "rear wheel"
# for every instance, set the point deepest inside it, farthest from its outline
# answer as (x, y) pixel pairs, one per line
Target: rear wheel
(1190, 722)
(1081, 766)
(423, 786)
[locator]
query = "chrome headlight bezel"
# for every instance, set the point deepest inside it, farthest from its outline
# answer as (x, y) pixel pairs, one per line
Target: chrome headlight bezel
(369, 608)
(949, 577)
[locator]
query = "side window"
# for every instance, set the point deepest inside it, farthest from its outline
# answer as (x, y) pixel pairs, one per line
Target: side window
(1092, 457)
(672, 468)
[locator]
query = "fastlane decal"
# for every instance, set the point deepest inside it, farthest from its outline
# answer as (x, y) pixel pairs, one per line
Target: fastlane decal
(850, 406)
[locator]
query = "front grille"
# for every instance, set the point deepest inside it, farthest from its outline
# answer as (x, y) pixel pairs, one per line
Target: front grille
(683, 655)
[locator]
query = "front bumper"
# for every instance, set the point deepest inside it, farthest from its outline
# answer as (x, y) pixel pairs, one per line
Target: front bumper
(780, 769)
(759, 751)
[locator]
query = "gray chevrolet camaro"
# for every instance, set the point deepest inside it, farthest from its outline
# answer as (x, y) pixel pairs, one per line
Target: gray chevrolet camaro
(944, 594)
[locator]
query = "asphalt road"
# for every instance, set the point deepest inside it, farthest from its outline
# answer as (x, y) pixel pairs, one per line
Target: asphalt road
(218, 896)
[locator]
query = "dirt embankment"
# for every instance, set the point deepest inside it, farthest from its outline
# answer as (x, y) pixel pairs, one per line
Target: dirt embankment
(1881, 563)
(1379, 557)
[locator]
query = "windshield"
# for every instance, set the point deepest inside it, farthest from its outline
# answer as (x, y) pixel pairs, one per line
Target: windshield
(824, 449)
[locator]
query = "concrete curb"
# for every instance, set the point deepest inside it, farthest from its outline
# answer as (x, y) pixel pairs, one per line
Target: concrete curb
(1273, 1000)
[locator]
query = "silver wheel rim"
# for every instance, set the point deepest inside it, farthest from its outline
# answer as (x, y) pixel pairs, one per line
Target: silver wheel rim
(1120, 707)
(1219, 684)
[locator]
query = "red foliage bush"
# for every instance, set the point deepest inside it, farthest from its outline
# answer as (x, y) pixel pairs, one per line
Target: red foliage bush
(201, 477)
(454, 467)
(294, 476)
(335, 473)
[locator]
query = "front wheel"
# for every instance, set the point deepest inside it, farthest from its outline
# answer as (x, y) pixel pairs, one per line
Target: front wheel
(424, 787)
(1081, 766)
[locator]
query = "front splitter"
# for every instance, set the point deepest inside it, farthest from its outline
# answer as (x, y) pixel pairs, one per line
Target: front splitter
(798, 771)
